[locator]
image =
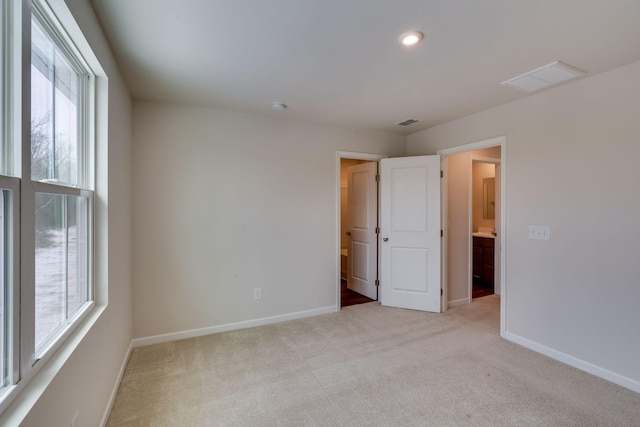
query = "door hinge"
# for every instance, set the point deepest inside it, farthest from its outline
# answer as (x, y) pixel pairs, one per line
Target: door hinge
(377, 177)
(441, 292)
(441, 233)
(377, 230)
(377, 282)
(441, 174)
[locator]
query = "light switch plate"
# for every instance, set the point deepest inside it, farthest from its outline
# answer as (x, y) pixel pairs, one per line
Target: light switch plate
(539, 232)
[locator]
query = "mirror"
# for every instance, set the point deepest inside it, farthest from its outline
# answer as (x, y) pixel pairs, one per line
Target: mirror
(489, 198)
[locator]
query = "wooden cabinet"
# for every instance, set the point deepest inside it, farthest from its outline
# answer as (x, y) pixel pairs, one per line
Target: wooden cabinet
(483, 266)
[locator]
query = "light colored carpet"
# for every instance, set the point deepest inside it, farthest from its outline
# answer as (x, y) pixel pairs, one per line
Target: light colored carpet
(367, 365)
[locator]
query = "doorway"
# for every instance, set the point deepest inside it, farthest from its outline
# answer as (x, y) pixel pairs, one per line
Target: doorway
(458, 222)
(407, 206)
(484, 173)
(357, 245)
(449, 252)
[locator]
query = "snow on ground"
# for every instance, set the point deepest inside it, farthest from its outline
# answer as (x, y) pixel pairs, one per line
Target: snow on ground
(51, 288)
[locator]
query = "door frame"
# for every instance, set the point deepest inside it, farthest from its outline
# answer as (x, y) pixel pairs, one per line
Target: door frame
(372, 157)
(500, 141)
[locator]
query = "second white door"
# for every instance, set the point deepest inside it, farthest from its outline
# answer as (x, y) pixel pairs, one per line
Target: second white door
(362, 256)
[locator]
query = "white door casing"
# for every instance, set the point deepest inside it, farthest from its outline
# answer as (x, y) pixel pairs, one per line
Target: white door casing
(362, 200)
(497, 277)
(410, 251)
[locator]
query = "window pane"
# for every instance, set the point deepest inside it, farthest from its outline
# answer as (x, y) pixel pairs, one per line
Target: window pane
(55, 102)
(50, 264)
(62, 253)
(78, 253)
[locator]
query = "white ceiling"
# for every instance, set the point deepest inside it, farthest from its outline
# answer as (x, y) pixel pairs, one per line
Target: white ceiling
(339, 61)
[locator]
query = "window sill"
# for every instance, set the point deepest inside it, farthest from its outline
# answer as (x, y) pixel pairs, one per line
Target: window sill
(17, 401)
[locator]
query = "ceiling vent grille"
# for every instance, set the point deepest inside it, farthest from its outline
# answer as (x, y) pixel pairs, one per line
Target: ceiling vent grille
(542, 77)
(408, 122)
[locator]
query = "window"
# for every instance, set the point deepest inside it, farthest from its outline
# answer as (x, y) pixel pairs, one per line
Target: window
(59, 163)
(56, 100)
(46, 190)
(62, 262)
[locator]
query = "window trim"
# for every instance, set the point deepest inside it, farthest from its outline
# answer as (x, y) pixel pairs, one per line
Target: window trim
(16, 83)
(30, 354)
(12, 85)
(11, 132)
(12, 273)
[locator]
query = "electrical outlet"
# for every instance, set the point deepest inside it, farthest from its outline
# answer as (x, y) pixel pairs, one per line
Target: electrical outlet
(257, 294)
(539, 232)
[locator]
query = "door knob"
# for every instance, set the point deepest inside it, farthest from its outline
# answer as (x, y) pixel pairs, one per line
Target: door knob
(348, 233)
(385, 239)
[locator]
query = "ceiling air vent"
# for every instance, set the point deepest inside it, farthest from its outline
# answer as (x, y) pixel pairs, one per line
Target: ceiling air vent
(550, 74)
(408, 122)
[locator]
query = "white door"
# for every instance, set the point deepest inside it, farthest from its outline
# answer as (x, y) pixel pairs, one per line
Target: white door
(362, 200)
(410, 233)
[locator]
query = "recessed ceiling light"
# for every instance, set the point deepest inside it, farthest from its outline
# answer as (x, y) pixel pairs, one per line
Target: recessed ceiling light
(279, 106)
(411, 38)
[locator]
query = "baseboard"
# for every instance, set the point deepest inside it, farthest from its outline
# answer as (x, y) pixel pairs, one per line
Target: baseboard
(458, 302)
(112, 397)
(174, 336)
(592, 369)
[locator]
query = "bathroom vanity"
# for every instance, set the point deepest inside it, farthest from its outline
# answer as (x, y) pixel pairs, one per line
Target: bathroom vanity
(483, 264)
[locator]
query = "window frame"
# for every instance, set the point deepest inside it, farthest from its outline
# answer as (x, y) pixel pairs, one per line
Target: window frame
(63, 42)
(12, 85)
(15, 176)
(10, 132)
(12, 282)
(62, 331)
(30, 355)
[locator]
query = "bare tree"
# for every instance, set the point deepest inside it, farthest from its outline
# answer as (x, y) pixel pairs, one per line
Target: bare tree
(49, 160)
(51, 157)
(40, 146)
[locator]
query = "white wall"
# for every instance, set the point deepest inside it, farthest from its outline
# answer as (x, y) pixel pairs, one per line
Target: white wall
(227, 202)
(572, 164)
(87, 379)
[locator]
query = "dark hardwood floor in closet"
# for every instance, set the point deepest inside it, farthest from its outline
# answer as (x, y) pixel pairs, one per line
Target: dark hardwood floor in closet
(349, 297)
(479, 291)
